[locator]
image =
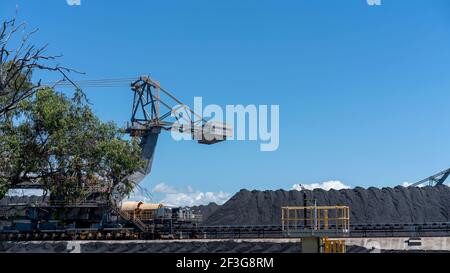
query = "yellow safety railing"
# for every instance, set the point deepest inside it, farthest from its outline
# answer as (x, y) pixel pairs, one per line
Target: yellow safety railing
(333, 246)
(316, 218)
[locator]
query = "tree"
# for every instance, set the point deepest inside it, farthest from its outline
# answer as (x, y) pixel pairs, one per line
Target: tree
(61, 143)
(18, 64)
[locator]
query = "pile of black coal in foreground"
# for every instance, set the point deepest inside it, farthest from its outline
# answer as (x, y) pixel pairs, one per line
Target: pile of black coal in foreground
(226, 246)
(367, 206)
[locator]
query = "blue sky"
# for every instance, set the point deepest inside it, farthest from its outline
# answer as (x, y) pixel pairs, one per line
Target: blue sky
(363, 91)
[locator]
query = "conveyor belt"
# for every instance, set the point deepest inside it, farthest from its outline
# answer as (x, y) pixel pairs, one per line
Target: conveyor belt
(249, 232)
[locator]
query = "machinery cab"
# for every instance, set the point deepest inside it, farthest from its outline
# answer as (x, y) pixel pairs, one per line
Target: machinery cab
(213, 132)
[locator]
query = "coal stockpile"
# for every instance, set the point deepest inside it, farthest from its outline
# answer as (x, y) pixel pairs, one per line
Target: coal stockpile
(230, 246)
(205, 210)
(367, 206)
(32, 247)
(227, 246)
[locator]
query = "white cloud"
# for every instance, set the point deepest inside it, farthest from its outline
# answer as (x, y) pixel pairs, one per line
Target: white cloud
(328, 185)
(164, 188)
(180, 197)
(195, 198)
(73, 2)
(407, 184)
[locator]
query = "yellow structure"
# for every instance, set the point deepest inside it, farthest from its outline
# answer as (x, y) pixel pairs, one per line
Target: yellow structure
(141, 210)
(316, 218)
(315, 224)
(333, 246)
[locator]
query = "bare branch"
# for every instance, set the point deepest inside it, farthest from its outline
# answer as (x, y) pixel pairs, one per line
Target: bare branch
(17, 66)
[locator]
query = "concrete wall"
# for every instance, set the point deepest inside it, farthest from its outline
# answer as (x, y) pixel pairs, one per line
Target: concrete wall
(427, 243)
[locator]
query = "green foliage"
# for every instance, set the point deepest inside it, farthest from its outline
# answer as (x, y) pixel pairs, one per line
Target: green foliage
(61, 142)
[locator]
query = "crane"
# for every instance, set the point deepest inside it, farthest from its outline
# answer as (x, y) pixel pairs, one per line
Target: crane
(155, 110)
(436, 180)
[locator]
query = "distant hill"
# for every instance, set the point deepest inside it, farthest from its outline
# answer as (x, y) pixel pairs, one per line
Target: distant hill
(205, 210)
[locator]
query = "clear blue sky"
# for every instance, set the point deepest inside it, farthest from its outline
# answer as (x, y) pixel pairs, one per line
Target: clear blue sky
(363, 91)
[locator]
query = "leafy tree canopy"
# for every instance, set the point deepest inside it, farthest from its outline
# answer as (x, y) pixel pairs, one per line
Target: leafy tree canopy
(59, 142)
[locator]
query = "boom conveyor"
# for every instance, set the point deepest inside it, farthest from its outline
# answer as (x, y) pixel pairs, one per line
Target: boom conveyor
(148, 120)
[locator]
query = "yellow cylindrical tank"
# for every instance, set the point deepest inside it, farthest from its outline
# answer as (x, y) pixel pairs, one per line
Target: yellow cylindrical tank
(141, 210)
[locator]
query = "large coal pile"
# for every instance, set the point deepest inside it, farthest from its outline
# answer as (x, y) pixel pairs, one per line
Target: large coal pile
(227, 246)
(373, 205)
